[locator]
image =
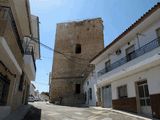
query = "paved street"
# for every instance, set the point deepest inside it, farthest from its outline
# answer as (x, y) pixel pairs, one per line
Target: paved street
(47, 111)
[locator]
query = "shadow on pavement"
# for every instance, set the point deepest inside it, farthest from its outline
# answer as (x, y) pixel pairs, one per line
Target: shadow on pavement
(33, 114)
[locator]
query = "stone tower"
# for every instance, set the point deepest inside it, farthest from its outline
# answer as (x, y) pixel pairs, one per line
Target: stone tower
(76, 44)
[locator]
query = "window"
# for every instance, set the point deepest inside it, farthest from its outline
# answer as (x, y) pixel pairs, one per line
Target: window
(78, 49)
(4, 89)
(122, 91)
(107, 65)
(158, 35)
(78, 88)
(87, 83)
(90, 93)
(130, 53)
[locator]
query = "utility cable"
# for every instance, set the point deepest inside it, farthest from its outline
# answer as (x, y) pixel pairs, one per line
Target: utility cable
(51, 49)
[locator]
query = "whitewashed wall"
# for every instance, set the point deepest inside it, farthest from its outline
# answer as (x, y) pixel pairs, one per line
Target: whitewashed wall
(148, 34)
(151, 75)
(92, 84)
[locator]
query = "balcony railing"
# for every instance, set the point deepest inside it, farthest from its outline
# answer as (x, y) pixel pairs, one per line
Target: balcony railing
(30, 52)
(6, 15)
(139, 52)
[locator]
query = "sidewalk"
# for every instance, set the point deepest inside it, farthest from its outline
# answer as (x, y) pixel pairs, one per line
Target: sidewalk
(19, 114)
(124, 113)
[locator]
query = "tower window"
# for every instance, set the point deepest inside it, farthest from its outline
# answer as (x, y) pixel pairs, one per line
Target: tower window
(78, 89)
(78, 49)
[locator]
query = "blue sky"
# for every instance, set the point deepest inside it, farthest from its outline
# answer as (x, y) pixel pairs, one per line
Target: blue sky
(116, 14)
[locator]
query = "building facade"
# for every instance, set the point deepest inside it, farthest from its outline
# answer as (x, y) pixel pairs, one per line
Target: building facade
(18, 53)
(74, 47)
(90, 89)
(32, 90)
(126, 72)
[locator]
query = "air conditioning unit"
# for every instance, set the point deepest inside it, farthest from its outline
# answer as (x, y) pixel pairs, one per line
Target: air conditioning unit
(118, 52)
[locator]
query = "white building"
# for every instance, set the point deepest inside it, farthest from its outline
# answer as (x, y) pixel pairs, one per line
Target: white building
(90, 90)
(32, 90)
(18, 53)
(44, 96)
(127, 71)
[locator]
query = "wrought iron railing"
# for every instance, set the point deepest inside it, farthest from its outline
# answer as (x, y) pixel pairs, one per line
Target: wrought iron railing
(6, 15)
(139, 52)
(31, 52)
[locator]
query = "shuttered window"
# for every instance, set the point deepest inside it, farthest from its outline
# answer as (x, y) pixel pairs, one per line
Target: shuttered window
(122, 91)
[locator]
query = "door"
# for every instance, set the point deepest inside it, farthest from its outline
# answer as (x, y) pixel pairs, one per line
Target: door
(144, 98)
(107, 97)
(107, 65)
(130, 53)
(4, 89)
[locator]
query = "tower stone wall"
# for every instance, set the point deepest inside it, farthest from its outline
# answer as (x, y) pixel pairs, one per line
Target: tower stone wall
(75, 45)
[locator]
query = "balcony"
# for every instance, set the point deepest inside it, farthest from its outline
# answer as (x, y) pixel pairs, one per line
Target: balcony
(6, 17)
(30, 66)
(137, 53)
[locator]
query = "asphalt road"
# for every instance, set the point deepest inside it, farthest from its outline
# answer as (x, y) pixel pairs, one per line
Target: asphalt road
(47, 111)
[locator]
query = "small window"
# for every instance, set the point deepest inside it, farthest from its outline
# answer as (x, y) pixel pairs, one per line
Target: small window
(78, 49)
(107, 65)
(90, 93)
(87, 82)
(78, 88)
(122, 91)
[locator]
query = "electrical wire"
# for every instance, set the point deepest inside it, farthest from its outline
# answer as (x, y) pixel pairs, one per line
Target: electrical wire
(66, 56)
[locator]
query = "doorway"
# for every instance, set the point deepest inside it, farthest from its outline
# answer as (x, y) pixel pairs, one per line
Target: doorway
(77, 88)
(107, 96)
(4, 89)
(144, 98)
(130, 53)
